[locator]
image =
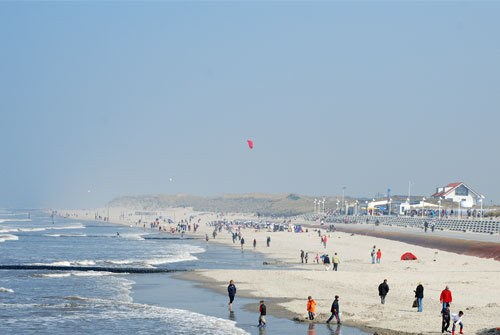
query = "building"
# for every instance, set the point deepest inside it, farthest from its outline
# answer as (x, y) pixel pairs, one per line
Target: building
(458, 192)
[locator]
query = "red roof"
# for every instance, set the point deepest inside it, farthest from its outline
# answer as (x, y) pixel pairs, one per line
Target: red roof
(442, 193)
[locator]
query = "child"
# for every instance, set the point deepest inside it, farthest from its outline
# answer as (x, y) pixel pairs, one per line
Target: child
(262, 317)
(311, 306)
(457, 319)
(446, 319)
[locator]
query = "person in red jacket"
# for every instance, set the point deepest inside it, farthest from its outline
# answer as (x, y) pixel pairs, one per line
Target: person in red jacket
(379, 256)
(445, 297)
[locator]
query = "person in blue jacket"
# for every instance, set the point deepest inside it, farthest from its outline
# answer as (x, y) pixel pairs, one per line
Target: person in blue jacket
(231, 290)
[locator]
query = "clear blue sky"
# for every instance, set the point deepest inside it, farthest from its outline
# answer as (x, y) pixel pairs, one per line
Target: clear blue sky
(117, 98)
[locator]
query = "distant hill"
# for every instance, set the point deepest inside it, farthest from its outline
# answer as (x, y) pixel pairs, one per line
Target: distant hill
(287, 204)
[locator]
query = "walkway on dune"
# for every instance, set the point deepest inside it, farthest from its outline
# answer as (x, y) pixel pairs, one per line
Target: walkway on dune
(484, 249)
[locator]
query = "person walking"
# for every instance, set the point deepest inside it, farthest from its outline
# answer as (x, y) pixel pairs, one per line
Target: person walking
(445, 313)
(324, 242)
(242, 241)
(457, 320)
(373, 254)
(268, 241)
(254, 243)
(311, 306)
(419, 294)
(379, 256)
(231, 290)
(302, 255)
(335, 311)
(327, 263)
(336, 262)
(263, 312)
(306, 257)
(383, 289)
(445, 298)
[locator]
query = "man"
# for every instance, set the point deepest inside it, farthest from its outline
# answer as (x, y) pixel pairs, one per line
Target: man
(268, 240)
(373, 255)
(311, 306)
(419, 294)
(379, 256)
(262, 317)
(445, 313)
(336, 262)
(302, 254)
(457, 319)
(445, 297)
(335, 311)
(327, 263)
(231, 290)
(383, 289)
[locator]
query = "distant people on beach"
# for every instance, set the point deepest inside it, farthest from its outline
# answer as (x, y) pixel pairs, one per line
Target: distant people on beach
(373, 254)
(254, 243)
(311, 306)
(206, 238)
(457, 320)
(268, 241)
(383, 289)
(379, 256)
(419, 294)
(445, 298)
(445, 319)
(231, 290)
(324, 241)
(327, 262)
(302, 255)
(316, 258)
(306, 257)
(242, 242)
(336, 261)
(335, 311)
(263, 312)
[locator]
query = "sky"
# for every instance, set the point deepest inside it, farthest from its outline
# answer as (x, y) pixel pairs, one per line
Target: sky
(116, 98)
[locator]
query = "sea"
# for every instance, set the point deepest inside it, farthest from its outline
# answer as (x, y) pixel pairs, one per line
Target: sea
(45, 301)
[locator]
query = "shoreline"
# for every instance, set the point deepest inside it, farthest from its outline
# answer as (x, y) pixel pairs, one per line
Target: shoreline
(357, 279)
(273, 304)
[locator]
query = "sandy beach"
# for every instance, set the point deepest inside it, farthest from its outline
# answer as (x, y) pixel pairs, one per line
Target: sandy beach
(472, 280)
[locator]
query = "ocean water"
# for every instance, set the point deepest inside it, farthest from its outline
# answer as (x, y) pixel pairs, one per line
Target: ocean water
(63, 302)
(100, 302)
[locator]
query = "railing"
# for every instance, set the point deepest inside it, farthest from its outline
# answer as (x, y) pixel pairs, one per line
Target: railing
(473, 225)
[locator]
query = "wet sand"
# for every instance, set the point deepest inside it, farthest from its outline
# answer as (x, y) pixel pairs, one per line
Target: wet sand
(458, 246)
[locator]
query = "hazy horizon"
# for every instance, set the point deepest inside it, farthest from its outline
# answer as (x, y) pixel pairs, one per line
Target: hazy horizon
(161, 97)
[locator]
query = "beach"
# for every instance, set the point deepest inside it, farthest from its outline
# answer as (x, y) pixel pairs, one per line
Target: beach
(472, 280)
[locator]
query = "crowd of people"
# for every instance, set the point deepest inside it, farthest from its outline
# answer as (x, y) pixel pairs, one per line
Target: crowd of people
(447, 318)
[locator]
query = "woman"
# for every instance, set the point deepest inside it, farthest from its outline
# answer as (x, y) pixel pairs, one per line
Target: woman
(419, 294)
(231, 290)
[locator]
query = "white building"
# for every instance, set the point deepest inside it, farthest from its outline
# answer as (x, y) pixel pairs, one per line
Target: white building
(458, 192)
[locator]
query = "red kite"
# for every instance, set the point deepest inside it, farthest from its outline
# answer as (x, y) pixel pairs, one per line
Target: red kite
(250, 144)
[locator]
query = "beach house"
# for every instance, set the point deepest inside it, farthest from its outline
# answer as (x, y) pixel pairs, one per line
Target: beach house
(458, 192)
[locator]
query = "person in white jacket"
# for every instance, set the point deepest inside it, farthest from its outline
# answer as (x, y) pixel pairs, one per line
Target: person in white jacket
(457, 320)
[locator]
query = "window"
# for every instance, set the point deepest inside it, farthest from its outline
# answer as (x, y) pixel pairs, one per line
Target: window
(462, 190)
